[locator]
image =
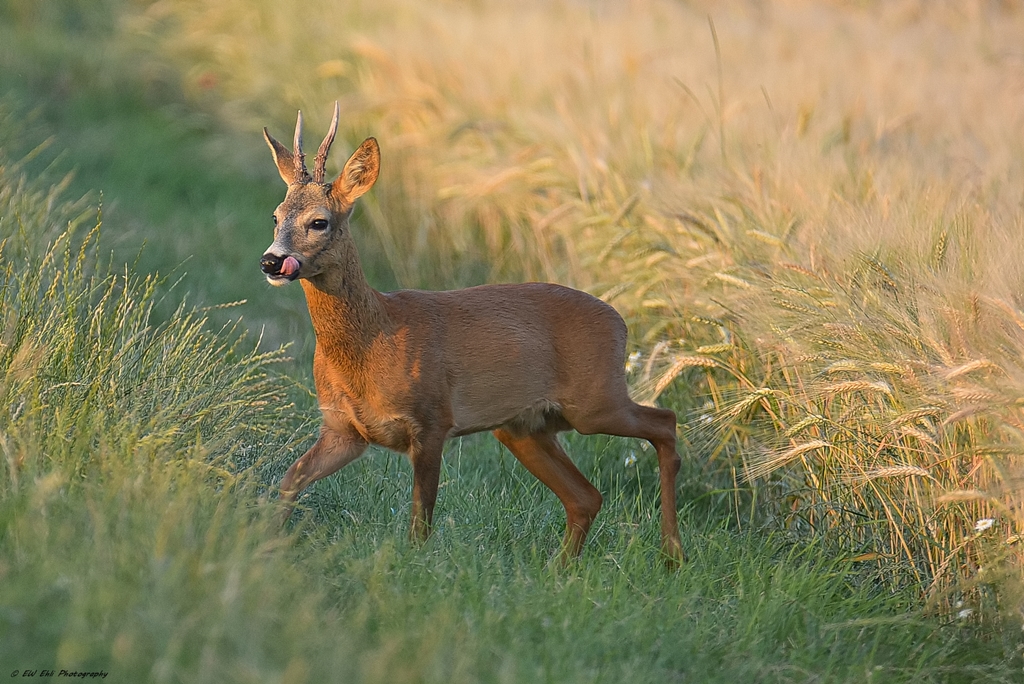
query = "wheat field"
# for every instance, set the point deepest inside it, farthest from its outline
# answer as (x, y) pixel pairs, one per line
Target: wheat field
(807, 212)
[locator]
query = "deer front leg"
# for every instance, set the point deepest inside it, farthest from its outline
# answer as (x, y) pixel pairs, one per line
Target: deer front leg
(426, 471)
(333, 451)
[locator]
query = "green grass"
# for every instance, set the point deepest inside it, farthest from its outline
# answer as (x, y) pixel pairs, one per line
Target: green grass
(140, 435)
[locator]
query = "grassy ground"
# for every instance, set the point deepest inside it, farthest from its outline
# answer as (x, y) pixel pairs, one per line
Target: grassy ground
(138, 443)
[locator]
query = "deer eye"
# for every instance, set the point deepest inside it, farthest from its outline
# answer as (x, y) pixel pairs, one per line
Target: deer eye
(274, 216)
(319, 224)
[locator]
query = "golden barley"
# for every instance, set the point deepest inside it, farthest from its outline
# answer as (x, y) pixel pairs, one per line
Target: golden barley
(715, 348)
(802, 425)
(974, 394)
(844, 366)
(919, 435)
(766, 465)
(970, 367)
(958, 495)
(851, 386)
(733, 280)
(892, 471)
(913, 417)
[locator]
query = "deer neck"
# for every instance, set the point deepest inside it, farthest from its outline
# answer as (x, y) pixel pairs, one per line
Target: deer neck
(347, 314)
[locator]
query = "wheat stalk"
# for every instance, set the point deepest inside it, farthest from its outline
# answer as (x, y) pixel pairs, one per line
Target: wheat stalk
(851, 386)
(733, 280)
(802, 425)
(843, 366)
(919, 435)
(913, 417)
(748, 401)
(890, 471)
(974, 394)
(958, 495)
(767, 464)
(715, 348)
(969, 367)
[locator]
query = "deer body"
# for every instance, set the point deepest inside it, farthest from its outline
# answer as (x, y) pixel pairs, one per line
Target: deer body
(468, 361)
(408, 370)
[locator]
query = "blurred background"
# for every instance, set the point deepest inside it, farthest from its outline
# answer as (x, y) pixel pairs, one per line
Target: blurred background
(537, 141)
(809, 213)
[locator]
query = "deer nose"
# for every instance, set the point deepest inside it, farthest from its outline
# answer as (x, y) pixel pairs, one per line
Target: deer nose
(271, 263)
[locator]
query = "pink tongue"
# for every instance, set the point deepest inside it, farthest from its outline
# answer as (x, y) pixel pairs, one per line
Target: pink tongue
(290, 266)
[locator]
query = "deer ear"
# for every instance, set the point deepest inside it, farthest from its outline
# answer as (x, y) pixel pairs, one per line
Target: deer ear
(282, 157)
(359, 173)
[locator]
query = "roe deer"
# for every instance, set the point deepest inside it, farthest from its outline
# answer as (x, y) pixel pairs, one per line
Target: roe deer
(407, 370)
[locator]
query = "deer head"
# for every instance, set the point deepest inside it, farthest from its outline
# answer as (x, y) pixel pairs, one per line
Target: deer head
(311, 232)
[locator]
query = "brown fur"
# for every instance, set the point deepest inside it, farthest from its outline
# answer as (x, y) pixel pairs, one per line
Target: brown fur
(407, 370)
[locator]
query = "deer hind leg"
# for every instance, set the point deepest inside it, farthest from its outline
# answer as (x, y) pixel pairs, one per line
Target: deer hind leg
(331, 452)
(657, 426)
(426, 471)
(544, 457)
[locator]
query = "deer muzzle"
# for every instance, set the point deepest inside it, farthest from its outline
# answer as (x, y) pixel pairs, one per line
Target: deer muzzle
(279, 267)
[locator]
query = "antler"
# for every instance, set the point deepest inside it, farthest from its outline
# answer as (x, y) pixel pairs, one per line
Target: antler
(321, 156)
(301, 174)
